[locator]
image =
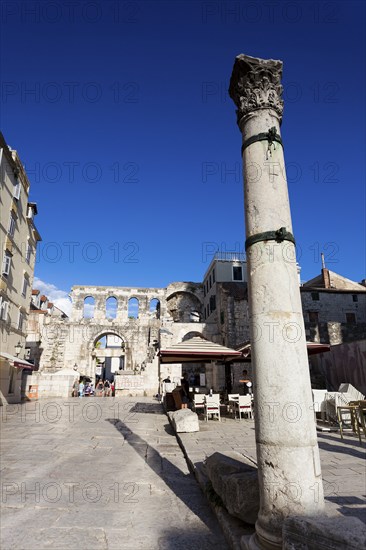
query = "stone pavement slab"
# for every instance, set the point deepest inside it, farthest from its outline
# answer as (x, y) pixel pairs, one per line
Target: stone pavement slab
(100, 474)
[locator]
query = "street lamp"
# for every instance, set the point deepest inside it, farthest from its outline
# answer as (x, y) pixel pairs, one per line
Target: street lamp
(18, 348)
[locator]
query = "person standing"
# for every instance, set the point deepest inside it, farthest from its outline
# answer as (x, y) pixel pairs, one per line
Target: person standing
(107, 388)
(185, 391)
(81, 388)
(75, 388)
(245, 381)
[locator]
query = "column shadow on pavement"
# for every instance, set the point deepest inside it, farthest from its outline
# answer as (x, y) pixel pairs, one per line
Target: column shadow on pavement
(343, 451)
(169, 474)
(344, 441)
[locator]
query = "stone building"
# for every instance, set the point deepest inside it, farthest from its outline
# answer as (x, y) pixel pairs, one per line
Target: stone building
(18, 241)
(334, 309)
(40, 308)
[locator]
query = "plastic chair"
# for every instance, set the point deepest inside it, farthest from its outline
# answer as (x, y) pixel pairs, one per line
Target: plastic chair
(198, 402)
(212, 407)
(244, 406)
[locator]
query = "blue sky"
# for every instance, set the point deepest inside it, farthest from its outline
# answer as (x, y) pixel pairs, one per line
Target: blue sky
(121, 115)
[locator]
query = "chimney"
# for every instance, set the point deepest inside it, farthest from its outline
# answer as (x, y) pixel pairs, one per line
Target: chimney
(325, 273)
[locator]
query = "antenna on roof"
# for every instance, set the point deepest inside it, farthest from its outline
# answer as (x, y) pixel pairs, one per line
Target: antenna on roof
(323, 261)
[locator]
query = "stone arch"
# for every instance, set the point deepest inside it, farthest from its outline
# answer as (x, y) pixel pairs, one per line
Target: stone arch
(88, 307)
(133, 308)
(192, 334)
(101, 333)
(109, 357)
(154, 308)
(111, 307)
(181, 304)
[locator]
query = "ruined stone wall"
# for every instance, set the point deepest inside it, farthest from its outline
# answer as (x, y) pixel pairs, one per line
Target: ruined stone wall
(69, 342)
(344, 363)
(333, 326)
(232, 313)
(333, 306)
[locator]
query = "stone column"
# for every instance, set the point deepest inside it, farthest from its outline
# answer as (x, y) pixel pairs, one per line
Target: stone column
(287, 449)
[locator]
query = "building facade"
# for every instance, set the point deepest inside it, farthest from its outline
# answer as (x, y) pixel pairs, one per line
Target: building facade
(18, 242)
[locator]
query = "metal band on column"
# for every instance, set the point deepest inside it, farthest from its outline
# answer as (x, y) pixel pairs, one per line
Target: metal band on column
(278, 236)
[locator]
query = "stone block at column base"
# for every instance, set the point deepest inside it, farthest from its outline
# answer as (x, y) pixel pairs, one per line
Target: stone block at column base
(234, 478)
(184, 421)
(323, 533)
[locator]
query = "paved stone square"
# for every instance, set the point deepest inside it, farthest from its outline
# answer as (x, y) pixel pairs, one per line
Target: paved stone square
(109, 474)
(100, 474)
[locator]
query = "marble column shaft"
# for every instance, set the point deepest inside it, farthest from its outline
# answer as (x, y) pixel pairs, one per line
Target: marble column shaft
(287, 448)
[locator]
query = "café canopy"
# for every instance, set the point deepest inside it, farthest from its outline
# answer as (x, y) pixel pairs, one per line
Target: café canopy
(197, 350)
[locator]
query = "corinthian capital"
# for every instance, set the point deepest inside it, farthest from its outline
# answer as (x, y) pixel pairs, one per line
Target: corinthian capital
(256, 84)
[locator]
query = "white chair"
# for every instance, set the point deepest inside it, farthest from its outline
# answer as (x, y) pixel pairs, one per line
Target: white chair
(244, 406)
(212, 407)
(232, 399)
(233, 396)
(198, 402)
(214, 397)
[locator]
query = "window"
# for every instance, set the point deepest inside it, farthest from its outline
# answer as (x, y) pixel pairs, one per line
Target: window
(20, 320)
(213, 276)
(111, 306)
(237, 273)
(6, 263)
(313, 316)
(88, 310)
(25, 287)
(4, 307)
(16, 190)
(351, 318)
(11, 380)
(213, 303)
(28, 254)
(355, 297)
(155, 308)
(11, 229)
(210, 281)
(315, 296)
(30, 213)
(133, 308)
(222, 317)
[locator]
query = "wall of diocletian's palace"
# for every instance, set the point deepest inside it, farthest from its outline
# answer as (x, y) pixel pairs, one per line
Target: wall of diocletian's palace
(143, 319)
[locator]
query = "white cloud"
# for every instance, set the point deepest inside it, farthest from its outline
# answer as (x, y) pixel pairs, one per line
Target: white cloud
(59, 297)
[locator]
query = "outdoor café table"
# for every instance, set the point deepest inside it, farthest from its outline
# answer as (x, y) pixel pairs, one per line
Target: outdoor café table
(232, 405)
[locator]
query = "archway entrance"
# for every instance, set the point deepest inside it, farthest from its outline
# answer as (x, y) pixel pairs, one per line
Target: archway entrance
(109, 351)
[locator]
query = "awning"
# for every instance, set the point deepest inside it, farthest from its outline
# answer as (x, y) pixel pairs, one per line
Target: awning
(197, 350)
(19, 363)
(312, 347)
